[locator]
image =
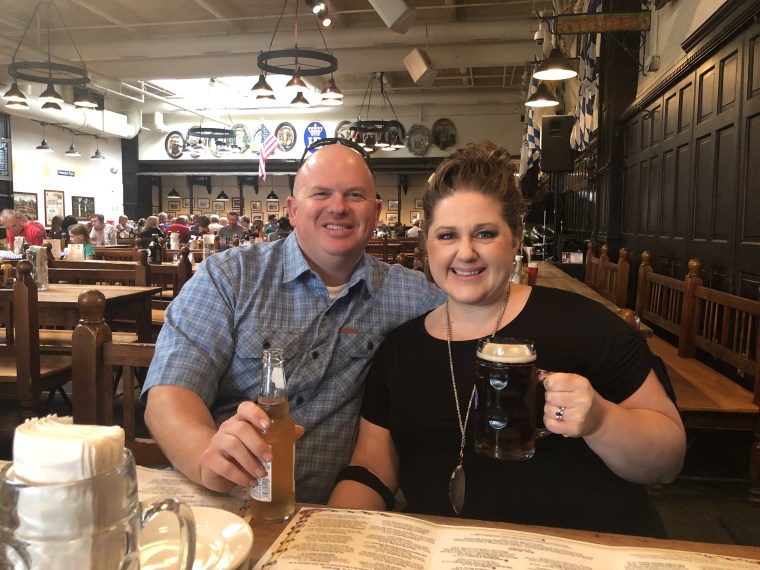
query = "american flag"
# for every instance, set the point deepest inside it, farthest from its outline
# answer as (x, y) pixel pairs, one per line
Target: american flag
(268, 145)
(531, 146)
(587, 89)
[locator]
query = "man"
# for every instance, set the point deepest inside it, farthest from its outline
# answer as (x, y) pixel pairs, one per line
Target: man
(33, 221)
(231, 231)
(16, 226)
(317, 296)
(124, 229)
(181, 227)
(271, 224)
(163, 220)
(415, 230)
(214, 226)
(101, 232)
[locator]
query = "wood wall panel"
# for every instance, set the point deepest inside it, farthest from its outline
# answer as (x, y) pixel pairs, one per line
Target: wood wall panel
(749, 285)
(686, 110)
(643, 191)
(706, 97)
(724, 190)
(753, 79)
(749, 212)
(682, 190)
(653, 207)
(656, 122)
(671, 115)
(729, 74)
(667, 210)
(703, 188)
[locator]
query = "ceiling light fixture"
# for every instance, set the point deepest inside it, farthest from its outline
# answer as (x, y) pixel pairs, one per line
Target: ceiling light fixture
(222, 196)
(47, 72)
(376, 134)
(98, 155)
(173, 193)
(542, 98)
(555, 67)
(217, 134)
(14, 94)
(296, 62)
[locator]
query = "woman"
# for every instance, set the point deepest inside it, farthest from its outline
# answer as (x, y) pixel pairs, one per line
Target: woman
(151, 228)
(78, 234)
(56, 232)
(616, 431)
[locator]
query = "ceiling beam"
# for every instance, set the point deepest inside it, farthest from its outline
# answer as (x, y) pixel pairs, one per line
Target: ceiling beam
(106, 16)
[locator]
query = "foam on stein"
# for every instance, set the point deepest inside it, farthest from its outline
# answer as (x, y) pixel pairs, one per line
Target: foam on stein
(507, 353)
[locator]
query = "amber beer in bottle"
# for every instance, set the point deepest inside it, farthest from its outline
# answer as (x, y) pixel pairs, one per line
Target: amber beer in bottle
(273, 498)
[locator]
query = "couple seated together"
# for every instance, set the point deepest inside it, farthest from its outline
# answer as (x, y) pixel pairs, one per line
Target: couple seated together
(381, 364)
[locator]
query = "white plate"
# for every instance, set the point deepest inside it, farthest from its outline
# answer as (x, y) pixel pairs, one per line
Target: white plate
(224, 541)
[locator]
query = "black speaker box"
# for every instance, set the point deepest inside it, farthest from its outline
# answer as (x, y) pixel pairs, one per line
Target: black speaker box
(556, 154)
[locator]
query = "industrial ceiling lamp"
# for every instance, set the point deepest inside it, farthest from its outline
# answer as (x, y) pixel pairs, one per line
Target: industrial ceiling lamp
(201, 132)
(222, 196)
(262, 87)
(173, 193)
(331, 95)
(46, 72)
(374, 134)
(542, 98)
(15, 95)
(44, 146)
(98, 155)
(297, 62)
(555, 67)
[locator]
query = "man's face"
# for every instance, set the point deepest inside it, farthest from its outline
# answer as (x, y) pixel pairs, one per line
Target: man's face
(123, 220)
(96, 224)
(15, 225)
(233, 220)
(334, 208)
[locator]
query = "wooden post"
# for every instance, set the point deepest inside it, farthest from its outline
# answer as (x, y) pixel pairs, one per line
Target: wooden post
(689, 314)
(642, 289)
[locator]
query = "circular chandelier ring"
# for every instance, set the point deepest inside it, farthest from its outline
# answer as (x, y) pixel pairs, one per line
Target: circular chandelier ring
(314, 62)
(44, 71)
(210, 133)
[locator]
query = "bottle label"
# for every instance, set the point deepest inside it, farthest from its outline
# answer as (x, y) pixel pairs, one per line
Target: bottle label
(263, 491)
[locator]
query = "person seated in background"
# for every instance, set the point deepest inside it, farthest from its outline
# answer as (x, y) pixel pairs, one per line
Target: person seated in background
(56, 232)
(271, 224)
(179, 226)
(399, 230)
(139, 226)
(613, 429)
(78, 235)
(151, 228)
(67, 222)
(283, 229)
(415, 230)
(201, 226)
(31, 218)
(257, 230)
(163, 220)
(124, 229)
(231, 231)
(245, 222)
(214, 226)
(101, 232)
(16, 226)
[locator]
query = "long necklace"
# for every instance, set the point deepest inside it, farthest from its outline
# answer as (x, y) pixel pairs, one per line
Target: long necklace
(457, 481)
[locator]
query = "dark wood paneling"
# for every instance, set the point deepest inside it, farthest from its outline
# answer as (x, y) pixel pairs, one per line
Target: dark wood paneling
(643, 192)
(683, 190)
(667, 220)
(654, 197)
(724, 189)
(671, 115)
(749, 214)
(703, 185)
(686, 110)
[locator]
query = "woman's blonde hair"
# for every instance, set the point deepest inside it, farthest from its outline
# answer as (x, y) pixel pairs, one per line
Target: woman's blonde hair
(483, 167)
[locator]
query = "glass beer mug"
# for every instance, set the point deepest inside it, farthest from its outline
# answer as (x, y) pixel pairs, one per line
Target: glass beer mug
(90, 524)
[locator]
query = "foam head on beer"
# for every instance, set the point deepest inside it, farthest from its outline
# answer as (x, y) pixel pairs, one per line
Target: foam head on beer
(507, 353)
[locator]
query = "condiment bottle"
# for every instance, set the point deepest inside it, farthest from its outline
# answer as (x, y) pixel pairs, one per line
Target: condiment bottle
(5, 270)
(273, 498)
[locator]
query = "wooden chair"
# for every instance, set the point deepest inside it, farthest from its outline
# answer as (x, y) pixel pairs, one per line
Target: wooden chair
(591, 278)
(129, 272)
(94, 357)
(608, 279)
(125, 253)
(24, 372)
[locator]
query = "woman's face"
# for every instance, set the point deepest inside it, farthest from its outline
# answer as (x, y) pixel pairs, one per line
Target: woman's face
(471, 248)
(76, 238)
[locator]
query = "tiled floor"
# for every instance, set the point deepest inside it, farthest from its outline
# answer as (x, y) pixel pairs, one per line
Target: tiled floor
(706, 504)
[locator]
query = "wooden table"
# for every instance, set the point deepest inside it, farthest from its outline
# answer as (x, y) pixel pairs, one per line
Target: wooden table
(549, 275)
(265, 534)
(58, 305)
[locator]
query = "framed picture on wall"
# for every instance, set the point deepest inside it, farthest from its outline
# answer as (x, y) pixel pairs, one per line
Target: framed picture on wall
(285, 213)
(393, 205)
(414, 216)
(418, 203)
(82, 207)
(154, 210)
(236, 205)
(203, 203)
(218, 205)
(391, 218)
(26, 203)
(273, 206)
(255, 206)
(173, 205)
(54, 205)
(186, 203)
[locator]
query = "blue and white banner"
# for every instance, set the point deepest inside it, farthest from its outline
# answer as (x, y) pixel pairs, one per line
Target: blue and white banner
(587, 88)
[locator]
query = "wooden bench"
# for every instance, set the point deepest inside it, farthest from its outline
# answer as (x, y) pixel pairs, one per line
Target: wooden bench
(24, 372)
(94, 356)
(726, 328)
(608, 279)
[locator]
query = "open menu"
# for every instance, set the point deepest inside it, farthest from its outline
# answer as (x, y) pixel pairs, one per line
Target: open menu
(362, 540)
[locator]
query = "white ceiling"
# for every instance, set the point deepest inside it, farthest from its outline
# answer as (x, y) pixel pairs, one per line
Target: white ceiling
(479, 48)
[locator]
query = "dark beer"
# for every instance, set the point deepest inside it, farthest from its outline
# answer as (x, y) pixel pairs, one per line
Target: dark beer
(505, 377)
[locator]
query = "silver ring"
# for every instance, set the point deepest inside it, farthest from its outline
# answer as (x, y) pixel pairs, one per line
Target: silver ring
(559, 415)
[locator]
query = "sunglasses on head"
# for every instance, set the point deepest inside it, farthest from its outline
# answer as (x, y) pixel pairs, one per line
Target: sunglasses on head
(341, 141)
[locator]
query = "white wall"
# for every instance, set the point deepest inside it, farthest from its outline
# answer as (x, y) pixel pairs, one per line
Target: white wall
(35, 171)
(670, 26)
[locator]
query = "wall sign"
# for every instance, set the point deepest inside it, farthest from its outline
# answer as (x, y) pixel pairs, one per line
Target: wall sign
(66, 173)
(4, 159)
(313, 132)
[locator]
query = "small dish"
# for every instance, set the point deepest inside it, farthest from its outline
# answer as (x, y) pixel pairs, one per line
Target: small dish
(223, 541)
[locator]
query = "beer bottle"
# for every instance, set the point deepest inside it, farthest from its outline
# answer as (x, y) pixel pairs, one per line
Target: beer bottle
(273, 498)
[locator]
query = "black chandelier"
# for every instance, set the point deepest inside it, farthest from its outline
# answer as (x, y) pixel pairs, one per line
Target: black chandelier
(48, 72)
(297, 63)
(377, 134)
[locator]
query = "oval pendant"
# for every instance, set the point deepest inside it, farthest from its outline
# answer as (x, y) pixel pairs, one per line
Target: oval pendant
(456, 489)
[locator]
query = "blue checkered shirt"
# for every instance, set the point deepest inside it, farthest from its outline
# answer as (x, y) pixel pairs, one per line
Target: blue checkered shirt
(249, 298)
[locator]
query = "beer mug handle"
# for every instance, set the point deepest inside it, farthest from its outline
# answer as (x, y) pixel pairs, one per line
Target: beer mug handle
(186, 525)
(13, 555)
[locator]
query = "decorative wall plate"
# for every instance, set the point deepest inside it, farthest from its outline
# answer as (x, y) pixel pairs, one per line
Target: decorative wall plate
(342, 131)
(242, 137)
(444, 134)
(256, 142)
(285, 133)
(173, 144)
(418, 140)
